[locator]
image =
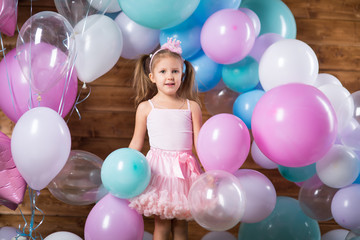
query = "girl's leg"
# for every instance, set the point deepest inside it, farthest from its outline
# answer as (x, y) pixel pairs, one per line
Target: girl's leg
(180, 229)
(162, 229)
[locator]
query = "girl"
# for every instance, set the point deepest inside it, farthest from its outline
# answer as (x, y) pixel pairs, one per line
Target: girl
(168, 107)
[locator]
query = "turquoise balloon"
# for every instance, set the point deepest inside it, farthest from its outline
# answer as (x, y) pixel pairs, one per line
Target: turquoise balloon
(241, 76)
(274, 15)
(125, 173)
(158, 14)
(286, 222)
(297, 174)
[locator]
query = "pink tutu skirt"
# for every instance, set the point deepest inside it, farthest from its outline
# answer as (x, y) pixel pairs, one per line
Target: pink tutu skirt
(172, 173)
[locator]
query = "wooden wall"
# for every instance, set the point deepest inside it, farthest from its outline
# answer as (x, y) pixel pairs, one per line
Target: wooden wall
(330, 27)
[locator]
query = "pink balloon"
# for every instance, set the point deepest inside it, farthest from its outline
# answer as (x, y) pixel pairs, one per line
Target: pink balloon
(223, 143)
(12, 185)
(227, 36)
(260, 195)
(16, 101)
(112, 218)
(8, 16)
(294, 124)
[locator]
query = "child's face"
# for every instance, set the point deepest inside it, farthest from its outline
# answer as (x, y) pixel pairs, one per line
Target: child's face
(167, 73)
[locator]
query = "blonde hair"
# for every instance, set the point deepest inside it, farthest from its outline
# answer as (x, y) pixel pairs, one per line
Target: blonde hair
(145, 89)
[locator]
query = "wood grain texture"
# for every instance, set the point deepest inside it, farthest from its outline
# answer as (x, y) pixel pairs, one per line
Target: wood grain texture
(330, 27)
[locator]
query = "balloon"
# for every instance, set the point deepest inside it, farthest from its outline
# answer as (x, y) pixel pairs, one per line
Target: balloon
(218, 235)
(12, 185)
(40, 146)
(220, 99)
(125, 173)
(132, 32)
(15, 99)
(188, 33)
(208, 7)
(262, 43)
(326, 78)
(260, 195)
(112, 217)
(244, 105)
(350, 135)
(158, 14)
(241, 76)
(223, 143)
(7, 233)
(287, 221)
(207, 72)
(98, 48)
(63, 235)
(217, 200)
(288, 61)
(352, 236)
(260, 159)
(335, 234)
(274, 15)
(75, 11)
(79, 182)
(294, 125)
(339, 167)
(315, 199)
(45, 50)
(110, 6)
(254, 19)
(345, 207)
(227, 36)
(147, 236)
(341, 102)
(297, 174)
(8, 17)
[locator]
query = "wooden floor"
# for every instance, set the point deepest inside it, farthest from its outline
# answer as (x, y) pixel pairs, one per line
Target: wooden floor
(330, 27)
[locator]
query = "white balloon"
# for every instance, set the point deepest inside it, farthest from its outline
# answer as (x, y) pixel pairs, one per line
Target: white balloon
(260, 159)
(288, 61)
(137, 39)
(350, 136)
(339, 167)
(62, 235)
(109, 6)
(326, 78)
(223, 235)
(99, 46)
(147, 236)
(336, 234)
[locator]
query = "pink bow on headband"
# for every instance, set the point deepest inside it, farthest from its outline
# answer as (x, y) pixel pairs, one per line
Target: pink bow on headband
(172, 45)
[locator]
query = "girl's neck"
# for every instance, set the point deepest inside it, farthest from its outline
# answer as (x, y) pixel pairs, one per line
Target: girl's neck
(165, 101)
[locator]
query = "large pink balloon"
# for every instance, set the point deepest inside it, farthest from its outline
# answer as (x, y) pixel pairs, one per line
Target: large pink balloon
(15, 90)
(40, 146)
(227, 36)
(8, 16)
(294, 124)
(223, 143)
(112, 218)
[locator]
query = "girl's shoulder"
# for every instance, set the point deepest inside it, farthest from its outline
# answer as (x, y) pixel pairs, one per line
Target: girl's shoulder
(144, 108)
(194, 106)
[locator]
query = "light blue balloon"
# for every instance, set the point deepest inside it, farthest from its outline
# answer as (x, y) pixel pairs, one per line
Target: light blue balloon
(297, 174)
(207, 72)
(274, 15)
(188, 33)
(158, 14)
(286, 222)
(241, 76)
(244, 105)
(207, 7)
(125, 173)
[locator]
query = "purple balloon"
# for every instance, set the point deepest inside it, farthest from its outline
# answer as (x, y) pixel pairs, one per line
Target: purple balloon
(254, 19)
(345, 207)
(227, 36)
(262, 43)
(223, 143)
(16, 102)
(112, 218)
(8, 233)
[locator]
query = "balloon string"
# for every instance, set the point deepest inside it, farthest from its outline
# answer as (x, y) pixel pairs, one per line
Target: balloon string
(32, 232)
(79, 101)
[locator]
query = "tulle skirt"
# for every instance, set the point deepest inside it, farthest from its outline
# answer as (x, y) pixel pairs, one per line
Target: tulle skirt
(172, 173)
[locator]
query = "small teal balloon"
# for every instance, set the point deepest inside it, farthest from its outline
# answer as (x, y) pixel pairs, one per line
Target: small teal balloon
(207, 72)
(244, 105)
(241, 76)
(297, 174)
(188, 33)
(274, 15)
(125, 173)
(158, 14)
(207, 7)
(287, 221)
